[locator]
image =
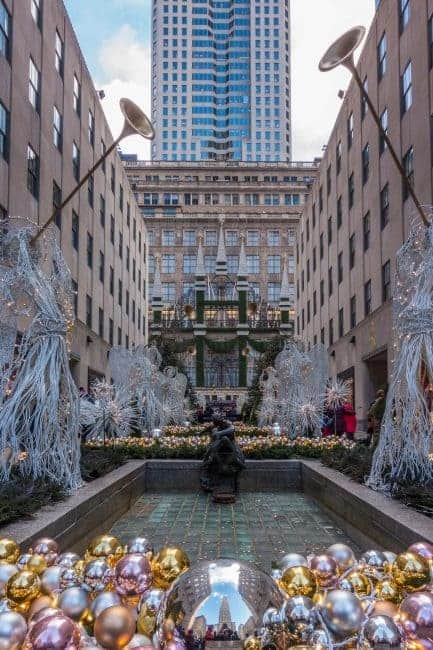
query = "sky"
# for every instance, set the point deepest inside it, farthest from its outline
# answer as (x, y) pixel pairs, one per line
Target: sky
(115, 38)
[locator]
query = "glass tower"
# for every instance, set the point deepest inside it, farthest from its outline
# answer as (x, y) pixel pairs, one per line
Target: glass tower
(221, 80)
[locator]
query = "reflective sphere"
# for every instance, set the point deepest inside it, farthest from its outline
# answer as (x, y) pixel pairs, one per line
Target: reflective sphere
(384, 607)
(342, 613)
(325, 569)
(387, 589)
(297, 613)
(411, 571)
(292, 559)
(419, 644)
(318, 638)
(343, 555)
(96, 575)
(67, 560)
(74, 602)
(252, 643)
(39, 604)
(114, 627)
(299, 581)
(148, 610)
(380, 632)
(105, 547)
(201, 593)
(140, 641)
(47, 547)
(374, 559)
(356, 582)
(22, 560)
(7, 570)
(132, 575)
(5, 605)
(104, 600)
(69, 578)
(140, 545)
(168, 565)
(50, 580)
(417, 609)
(45, 612)
(56, 632)
(390, 556)
(37, 563)
(13, 629)
(22, 588)
(422, 548)
(9, 550)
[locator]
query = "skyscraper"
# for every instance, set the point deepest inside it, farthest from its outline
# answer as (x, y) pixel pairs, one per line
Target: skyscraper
(221, 80)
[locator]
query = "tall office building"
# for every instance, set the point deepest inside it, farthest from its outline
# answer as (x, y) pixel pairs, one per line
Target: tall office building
(221, 80)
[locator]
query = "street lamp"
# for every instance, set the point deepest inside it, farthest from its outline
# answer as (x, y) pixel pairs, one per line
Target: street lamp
(136, 123)
(341, 53)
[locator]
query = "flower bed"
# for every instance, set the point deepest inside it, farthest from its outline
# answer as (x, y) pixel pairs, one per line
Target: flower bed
(196, 429)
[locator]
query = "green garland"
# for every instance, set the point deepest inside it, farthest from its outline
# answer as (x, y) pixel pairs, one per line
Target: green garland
(261, 346)
(221, 347)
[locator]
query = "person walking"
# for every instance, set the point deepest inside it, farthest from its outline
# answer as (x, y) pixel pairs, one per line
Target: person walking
(350, 423)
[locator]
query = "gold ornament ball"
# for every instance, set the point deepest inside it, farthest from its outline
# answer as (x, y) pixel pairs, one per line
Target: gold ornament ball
(9, 550)
(252, 643)
(6, 572)
(389, 590)
(168, 565)
(356, 582)
(411, 571)
(37, 563)
(22, 588)
(114, 627)
(105, 547)
(299, 581)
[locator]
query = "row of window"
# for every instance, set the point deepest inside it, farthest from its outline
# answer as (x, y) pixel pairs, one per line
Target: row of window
(136, 318)
(169, 291)
(214, 198)
(311, 309)
(189, 264)
(190, 238)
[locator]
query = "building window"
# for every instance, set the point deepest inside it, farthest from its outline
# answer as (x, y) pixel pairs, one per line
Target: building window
(168, 237)
(89, 250)
(121, 197)
(384, 125)
(322, 293)
(231, 238)
(430, 39)
(353, 312)
(338, 155)
(4, 132)
(210, 263)
(169, 292)
(350, 131)
(76, 101)
(58, 54)
(314, 303)
(102, 211)
(189, 238)
(366, 231)
(34, 85)
(253, 238)
(253, 264)
(409, 171)
(232, 263)
(364, 105)
(75, 228)
(274, 264)
(57, 129)
(101, 267)
(406, 88)
(75, 296)
(91, 129)
(120, 292)
(57, 202)
(273, 237)
(127, 302)
(36, 11)
(367, 298)
(330, 282)
(381, 57)
(329, 231)
(189, 263)
(89, 311)
(211, 238)
(274, 292)
(112, 229)
(113, 178)
(111, 281)
(5, 29)
(341, 322)
(404, 13)
(328, 180)
(320, 199)
(76, 162)
(351, 190)
(352, 251)
(339, 212)
(100, 322)
(32, 172)
(365, 163)
(386, 281)
(340, 268)
(168, 263)
(384, 206)
(331, 332)
(321, 246)
(110, 332)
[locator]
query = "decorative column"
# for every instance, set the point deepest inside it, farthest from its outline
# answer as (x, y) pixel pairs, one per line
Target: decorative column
(200, 325)
(157, 302)
(286, 326)
(242, 329)
(221, 260)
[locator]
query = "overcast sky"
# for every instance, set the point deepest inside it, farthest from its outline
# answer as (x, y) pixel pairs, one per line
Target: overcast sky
(115, 38)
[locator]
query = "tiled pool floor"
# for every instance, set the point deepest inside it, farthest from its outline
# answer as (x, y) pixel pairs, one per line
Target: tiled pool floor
(260, 527)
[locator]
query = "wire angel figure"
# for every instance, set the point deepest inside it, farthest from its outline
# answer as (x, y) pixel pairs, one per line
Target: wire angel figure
(40, 415)
(402, 454)
(110, 414)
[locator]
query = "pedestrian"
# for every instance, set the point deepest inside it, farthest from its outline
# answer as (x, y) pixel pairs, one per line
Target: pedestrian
(350, 422)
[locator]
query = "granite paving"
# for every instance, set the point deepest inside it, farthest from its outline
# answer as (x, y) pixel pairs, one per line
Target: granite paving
(259, 528)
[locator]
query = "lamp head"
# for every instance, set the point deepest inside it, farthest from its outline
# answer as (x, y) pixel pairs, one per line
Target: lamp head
(136, 122)
(341, 51)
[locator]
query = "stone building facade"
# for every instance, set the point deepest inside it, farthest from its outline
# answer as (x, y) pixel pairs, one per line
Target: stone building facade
(52, 130)
(358, 213)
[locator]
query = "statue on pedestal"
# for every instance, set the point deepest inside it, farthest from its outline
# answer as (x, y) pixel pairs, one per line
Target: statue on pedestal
(223, 461)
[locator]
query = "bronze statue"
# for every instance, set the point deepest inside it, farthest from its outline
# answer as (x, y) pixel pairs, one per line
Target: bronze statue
(222, 461)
